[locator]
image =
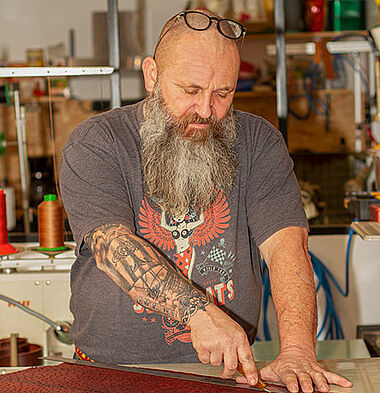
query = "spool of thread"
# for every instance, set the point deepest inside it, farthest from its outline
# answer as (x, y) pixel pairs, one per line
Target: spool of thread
(50, 224)
(5, 247)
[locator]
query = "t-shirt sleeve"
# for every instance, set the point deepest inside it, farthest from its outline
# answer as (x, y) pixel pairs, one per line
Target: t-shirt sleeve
(273, 194)
(92, 186)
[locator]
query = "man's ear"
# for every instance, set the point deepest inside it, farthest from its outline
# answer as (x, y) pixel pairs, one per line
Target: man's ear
(149, 69)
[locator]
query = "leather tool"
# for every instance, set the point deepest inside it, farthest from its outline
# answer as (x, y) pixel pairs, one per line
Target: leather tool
(260, 384)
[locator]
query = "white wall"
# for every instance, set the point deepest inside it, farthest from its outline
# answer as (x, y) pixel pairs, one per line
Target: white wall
(30, 24)
(361, 306)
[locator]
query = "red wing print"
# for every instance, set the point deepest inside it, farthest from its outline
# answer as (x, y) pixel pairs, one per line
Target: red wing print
(150, 224)
(215, 222)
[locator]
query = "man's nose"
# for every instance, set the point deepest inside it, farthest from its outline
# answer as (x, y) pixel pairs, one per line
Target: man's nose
(204, 106)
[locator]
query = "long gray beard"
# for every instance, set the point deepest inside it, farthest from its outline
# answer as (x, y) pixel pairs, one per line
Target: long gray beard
(182, 172)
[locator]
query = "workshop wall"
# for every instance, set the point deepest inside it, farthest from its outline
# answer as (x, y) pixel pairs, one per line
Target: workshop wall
(39, 24)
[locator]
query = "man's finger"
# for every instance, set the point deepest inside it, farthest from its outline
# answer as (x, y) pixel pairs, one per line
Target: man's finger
(230, 364)
(216, 358)
(204, 356)
(267, 374)
(320, 381)
(336, 379)
(248, 364)
(291, 381)
(305, 382)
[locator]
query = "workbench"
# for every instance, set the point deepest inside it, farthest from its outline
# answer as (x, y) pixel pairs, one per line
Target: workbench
(364, 373)
(355, 363)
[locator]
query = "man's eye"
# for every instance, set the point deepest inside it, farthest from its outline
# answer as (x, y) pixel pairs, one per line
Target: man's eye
(222, 94)
(192, 92)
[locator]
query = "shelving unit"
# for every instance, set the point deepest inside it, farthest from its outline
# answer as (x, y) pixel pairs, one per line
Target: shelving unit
(304, 35)
(26, 72)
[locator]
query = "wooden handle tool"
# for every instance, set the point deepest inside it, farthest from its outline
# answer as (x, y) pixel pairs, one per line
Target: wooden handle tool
(260, 384)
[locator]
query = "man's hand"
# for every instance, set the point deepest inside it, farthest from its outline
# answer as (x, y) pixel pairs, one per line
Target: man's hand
(299, 369)
(218, 338)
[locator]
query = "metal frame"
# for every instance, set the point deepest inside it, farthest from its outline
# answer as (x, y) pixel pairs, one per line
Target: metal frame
(114, 52)
(28, 72)
(281, 79)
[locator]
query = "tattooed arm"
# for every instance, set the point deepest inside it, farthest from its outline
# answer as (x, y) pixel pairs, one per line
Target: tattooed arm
(143, 273)
(151, 281)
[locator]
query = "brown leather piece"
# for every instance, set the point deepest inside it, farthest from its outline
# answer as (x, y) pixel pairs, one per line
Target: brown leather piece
(70, 378)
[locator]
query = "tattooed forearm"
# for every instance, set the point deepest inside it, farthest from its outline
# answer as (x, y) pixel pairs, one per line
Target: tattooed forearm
(143, 273)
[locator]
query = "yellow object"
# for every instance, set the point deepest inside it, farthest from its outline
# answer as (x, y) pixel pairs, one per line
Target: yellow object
(260, 384)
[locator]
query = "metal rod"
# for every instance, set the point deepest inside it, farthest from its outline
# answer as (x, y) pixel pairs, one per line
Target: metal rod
(372, 83)
(61, 329)
(22, 156)
(36, 314)
(72, 43)
(114, 53)
(357, 90)
(357, 104)
(28, 72)
(281, 80)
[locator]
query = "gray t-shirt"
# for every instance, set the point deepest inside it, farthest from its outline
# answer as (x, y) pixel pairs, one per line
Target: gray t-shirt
(101, 182)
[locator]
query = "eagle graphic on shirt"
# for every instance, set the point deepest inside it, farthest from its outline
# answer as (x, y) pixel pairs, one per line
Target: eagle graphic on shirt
(184, 232)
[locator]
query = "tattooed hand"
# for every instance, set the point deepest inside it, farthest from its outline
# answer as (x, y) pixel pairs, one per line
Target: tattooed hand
(218, 338)
(151, 281)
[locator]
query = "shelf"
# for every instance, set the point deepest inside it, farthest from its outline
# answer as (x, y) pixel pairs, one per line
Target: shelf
(254, 94)
(367, 230)
(305, 35)
(27, 72)
(271, 93)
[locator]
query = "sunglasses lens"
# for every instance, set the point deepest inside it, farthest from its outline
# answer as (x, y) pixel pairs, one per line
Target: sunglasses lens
(197, 21)
(230, 28)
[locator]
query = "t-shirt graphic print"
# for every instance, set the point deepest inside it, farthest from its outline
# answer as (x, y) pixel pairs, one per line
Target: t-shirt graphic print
(184, 240)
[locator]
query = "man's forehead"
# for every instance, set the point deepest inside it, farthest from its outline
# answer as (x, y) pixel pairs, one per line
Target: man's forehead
(205, 46)
(200, 48)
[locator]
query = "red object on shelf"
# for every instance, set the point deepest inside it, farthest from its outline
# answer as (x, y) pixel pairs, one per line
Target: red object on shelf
(315, 15)
(5, 247)
(374, 212)
(72, 378)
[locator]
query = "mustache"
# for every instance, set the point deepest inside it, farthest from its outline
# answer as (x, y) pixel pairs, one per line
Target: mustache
(194, 118)
(181, 127)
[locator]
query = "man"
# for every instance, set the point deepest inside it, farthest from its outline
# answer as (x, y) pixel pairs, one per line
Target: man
(171, 201)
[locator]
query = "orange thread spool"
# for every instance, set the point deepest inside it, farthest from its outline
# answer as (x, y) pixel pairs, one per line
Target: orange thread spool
(5, 247)
(50, 224)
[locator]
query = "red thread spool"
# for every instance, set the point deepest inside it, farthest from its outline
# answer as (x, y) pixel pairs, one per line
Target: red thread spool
(50, 224)
(374, 212)
(5, 247)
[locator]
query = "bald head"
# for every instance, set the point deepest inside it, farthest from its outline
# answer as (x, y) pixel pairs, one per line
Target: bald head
(177, 38)
(197, 70)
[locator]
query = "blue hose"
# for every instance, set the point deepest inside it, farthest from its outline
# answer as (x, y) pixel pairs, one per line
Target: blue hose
(331, 324)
